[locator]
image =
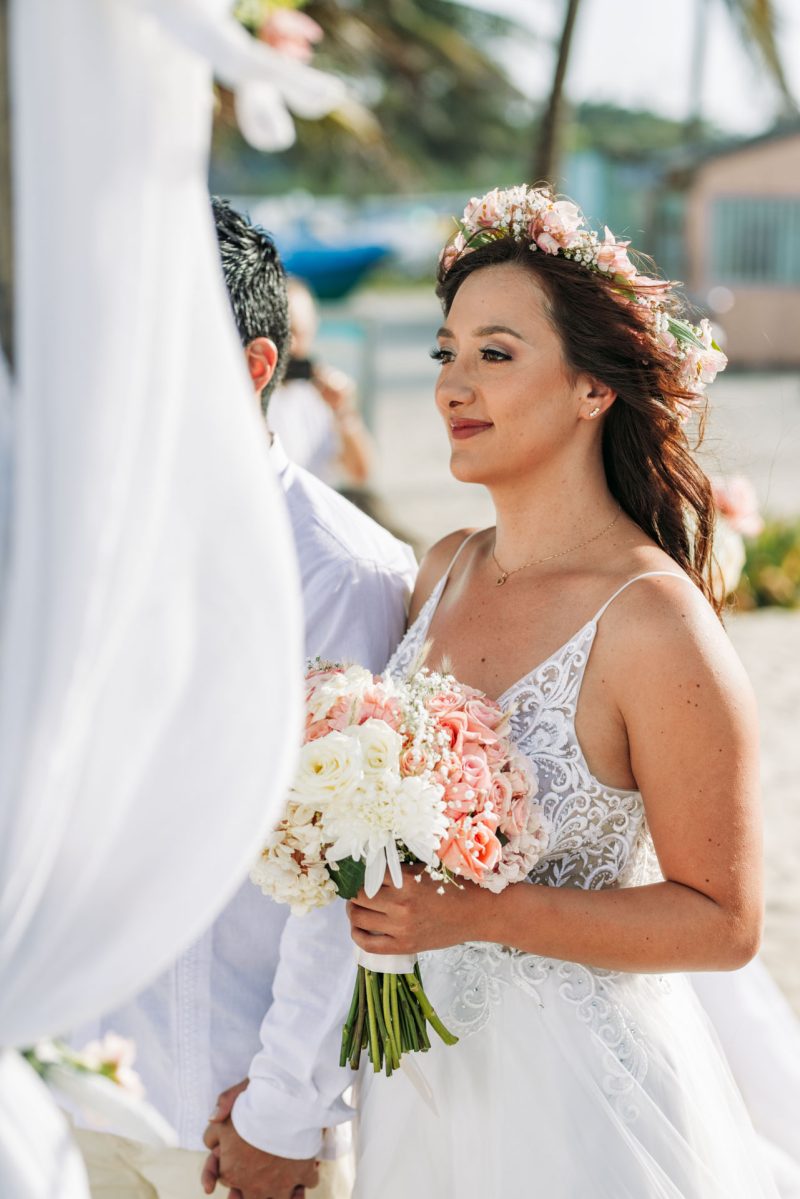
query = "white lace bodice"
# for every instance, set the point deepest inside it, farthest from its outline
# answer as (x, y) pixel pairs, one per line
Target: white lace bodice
(599, 836)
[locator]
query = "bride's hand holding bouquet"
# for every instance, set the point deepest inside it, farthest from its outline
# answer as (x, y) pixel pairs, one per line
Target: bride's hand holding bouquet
(420, 916)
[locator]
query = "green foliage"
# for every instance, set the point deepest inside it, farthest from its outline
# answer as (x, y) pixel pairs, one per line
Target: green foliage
(348, 877)
(632, 134)
(444, 109)
(771, 575)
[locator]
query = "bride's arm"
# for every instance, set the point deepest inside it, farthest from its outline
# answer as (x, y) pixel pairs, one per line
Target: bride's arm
(691, 724)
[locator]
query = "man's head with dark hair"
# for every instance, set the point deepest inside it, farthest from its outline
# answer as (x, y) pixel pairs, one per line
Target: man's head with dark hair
(256, 283)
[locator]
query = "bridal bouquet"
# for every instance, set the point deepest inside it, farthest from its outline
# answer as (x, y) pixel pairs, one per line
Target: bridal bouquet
(420, 770)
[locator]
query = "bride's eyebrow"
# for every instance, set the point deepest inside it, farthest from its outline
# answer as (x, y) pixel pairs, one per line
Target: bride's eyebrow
(487, 330)
(484, 331)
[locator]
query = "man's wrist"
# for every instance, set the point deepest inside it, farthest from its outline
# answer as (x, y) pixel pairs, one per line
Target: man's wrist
(264, 1131)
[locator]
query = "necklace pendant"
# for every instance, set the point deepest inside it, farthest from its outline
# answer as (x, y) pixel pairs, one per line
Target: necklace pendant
(501, 580)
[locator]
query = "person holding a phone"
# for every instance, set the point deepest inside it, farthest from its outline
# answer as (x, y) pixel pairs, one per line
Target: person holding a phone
(314, 411)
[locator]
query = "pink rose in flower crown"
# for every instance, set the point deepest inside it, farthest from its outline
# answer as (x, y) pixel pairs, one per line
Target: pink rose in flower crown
(612, 257)
(450, 254)
(710, 360)
(471, 850)
(547, 242)
(557, 228)
(564, 219)
(485, 213)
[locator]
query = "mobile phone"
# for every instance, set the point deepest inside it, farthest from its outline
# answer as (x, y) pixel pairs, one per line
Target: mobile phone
(299, 368)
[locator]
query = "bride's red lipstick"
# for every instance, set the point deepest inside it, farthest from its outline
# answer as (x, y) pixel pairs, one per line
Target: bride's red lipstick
(460, 429)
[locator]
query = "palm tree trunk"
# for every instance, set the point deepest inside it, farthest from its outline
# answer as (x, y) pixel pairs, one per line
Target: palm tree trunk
(697, 72)
(6, 214)
(546, 159)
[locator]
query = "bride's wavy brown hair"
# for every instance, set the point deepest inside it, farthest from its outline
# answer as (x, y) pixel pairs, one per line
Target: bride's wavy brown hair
(647, 455)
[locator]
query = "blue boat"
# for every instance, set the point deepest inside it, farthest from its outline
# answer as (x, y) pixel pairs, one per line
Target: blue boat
(332, 271)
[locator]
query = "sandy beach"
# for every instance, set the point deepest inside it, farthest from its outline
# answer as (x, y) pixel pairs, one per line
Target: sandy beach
(754, 429)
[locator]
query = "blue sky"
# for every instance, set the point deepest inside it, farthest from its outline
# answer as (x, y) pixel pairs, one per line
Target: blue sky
(637, 53)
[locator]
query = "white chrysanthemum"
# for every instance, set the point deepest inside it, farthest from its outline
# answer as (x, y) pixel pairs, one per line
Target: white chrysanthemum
(368, 825)
(328, 768)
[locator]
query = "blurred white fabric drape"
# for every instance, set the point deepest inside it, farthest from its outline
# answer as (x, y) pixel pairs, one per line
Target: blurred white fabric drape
(150, 649)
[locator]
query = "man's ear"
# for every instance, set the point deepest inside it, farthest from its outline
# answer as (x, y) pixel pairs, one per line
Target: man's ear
(262, 358)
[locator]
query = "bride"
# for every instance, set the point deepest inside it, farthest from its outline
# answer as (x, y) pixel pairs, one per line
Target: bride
(585, 1065)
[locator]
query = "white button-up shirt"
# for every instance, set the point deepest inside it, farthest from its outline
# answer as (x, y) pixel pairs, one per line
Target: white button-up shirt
(263, 993)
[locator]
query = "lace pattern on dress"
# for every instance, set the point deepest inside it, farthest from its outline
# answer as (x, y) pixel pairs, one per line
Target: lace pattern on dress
(599, 839)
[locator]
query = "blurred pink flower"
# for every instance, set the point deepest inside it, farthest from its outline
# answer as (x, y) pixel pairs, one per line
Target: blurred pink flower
(292, 33)
(737, 502)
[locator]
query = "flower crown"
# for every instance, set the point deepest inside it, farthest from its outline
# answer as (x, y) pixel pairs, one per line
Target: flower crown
(535, 216)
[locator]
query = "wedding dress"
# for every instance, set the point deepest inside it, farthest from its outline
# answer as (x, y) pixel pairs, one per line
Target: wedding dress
(567, 1081)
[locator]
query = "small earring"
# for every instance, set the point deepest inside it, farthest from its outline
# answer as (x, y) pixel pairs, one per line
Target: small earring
(595, 411)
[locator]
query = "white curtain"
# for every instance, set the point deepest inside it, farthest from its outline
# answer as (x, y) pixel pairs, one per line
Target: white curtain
(150, 644)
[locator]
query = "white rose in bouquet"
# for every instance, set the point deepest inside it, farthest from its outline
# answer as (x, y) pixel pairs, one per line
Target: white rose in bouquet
(381, 747)
(329, 769)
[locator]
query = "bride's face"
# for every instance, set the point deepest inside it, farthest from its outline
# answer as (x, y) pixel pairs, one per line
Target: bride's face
(504, 392)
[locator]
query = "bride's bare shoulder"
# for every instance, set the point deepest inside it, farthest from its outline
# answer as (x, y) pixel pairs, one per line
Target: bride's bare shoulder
(434, 565)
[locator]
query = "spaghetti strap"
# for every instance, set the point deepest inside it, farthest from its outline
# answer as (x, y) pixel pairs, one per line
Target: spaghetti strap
(648, 574)
(456, 556)
(428, 609)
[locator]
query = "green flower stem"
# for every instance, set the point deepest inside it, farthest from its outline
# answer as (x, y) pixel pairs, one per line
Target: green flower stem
(392, 1038)
(417, 1016)
(377, 1002)
(356, 1043)
(347, 1030)
(416, 988)
(389, 1016)
(397, 1026)
(374, 1046)
(408, 1039)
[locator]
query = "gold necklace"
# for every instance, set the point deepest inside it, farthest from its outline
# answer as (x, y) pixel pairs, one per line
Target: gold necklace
(506, 574)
